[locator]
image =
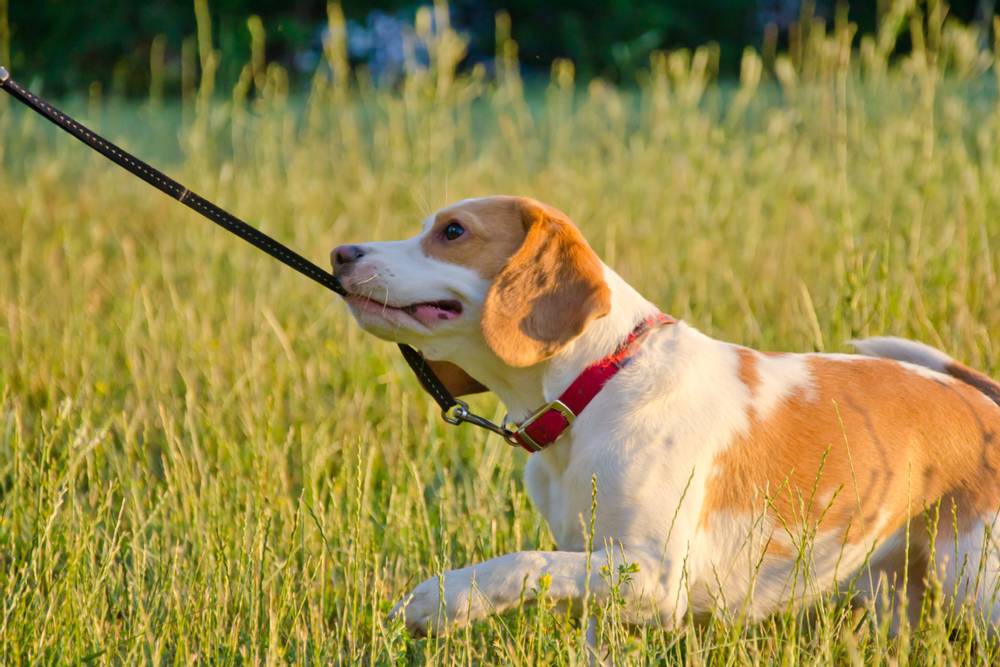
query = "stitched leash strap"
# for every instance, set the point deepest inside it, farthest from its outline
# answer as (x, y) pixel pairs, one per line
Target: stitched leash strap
(171, 187)
(453, 410)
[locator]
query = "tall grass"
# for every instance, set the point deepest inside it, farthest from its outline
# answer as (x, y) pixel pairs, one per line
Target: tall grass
(203, 460)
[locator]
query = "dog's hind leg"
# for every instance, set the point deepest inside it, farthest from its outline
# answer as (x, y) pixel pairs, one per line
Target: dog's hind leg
(891, 586)
(967, 562)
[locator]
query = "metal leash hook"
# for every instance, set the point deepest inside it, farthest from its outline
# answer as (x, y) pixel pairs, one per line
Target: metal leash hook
(4, 74)
(459, 413)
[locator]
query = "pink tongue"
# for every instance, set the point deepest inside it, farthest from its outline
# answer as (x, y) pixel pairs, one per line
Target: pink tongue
(428, 314)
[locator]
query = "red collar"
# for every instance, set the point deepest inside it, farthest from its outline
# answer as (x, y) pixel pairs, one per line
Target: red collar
(550, 421)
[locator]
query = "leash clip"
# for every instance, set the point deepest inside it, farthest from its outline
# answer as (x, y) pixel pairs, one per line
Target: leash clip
(4, 74)
(459, 413)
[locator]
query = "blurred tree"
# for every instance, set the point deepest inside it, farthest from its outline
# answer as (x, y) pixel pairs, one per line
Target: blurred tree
(67, 44)
(614, 38)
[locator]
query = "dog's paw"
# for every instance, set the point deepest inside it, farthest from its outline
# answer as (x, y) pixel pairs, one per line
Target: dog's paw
(423, 612)
(421, 608)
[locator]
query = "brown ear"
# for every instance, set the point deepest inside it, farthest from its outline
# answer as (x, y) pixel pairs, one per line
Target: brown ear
(458, 382)
(546, 293)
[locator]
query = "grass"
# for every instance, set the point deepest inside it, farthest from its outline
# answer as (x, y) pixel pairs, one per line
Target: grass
(202, 459)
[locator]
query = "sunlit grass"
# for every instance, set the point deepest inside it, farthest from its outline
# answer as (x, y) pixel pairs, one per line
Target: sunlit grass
(203, 459)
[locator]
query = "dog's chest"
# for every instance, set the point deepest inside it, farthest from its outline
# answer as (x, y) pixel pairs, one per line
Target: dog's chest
(604, 485)
(563, 499)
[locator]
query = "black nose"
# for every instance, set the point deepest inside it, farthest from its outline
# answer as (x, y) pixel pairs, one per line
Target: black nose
(343, 255)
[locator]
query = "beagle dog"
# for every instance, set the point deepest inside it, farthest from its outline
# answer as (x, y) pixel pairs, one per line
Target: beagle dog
(727, 480)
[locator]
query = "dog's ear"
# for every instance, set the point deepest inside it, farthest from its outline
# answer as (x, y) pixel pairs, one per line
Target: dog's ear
(457, 381)
(546, 293)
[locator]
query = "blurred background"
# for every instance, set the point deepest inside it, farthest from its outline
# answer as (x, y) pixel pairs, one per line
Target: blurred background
(65, 45)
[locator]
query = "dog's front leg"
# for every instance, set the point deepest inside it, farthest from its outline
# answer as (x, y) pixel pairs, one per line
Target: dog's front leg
(497, 585)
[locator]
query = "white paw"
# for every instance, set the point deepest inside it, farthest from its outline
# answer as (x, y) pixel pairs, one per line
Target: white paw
(423, 612)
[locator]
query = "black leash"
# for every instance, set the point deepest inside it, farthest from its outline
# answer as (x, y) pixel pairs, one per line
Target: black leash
(453, 411)
(169, 186)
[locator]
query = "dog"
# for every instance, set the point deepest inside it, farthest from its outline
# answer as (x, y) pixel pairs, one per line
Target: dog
(727, 480)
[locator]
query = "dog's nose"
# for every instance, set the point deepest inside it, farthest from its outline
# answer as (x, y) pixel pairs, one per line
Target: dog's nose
(343, 255)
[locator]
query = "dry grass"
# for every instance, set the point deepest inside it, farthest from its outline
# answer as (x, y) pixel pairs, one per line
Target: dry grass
(203, 460)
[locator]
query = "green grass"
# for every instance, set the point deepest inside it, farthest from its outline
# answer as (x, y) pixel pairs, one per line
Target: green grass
(202, 459)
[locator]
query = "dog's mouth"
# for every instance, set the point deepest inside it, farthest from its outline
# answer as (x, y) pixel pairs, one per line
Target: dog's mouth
(427, 313)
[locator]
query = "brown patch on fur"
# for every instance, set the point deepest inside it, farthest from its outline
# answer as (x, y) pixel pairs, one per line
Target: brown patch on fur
(547, 292)
(548, 284)
(494, 230)
(749, 375)
(748, 369)
(458, 382)
(870, 439)
(980, 381)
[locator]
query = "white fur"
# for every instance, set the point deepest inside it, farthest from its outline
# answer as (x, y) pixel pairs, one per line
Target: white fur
(781, 376)
(650, 438)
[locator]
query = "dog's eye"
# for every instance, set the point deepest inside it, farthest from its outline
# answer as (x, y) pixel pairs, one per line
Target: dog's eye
(453, 231)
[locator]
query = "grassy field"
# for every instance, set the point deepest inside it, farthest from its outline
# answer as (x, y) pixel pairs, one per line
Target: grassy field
(202, 459)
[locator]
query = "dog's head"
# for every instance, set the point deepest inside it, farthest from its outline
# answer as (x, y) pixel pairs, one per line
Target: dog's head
(507, 274)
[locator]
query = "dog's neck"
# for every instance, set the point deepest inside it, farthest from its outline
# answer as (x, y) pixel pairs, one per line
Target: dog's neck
(523, 390)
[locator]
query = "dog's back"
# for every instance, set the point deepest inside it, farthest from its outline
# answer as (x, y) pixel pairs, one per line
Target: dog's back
(900, 349)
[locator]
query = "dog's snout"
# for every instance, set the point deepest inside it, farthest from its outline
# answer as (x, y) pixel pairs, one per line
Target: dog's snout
(344, 255)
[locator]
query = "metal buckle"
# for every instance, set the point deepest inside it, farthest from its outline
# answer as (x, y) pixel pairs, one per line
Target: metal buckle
(558, 406)
(4, 74)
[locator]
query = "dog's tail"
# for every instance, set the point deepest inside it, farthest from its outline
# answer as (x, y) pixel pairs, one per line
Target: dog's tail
(913, 352)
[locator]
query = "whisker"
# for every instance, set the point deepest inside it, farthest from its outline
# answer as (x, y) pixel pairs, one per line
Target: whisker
(385, 302)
